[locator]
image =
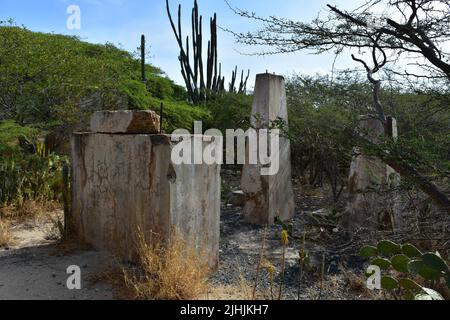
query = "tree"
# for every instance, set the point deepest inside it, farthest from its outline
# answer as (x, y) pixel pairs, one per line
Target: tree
(421, 33)
(383, 32)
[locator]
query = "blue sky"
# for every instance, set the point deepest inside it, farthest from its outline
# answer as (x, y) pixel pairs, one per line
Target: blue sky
(123, 21)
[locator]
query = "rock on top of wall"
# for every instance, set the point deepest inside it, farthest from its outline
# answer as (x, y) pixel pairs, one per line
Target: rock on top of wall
(125, 121)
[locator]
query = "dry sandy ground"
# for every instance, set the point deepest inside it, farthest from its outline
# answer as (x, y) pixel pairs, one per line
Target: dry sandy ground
(35, 268)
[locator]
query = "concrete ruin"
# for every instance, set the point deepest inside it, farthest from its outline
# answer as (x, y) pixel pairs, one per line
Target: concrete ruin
(269, 197)
(370, 205)
(124, 184)
(125, 121)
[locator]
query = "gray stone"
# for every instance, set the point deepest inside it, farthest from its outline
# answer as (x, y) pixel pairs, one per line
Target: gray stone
(238, 198)
(269, 197)
(125, 183)
(125, 121)
(369, 204)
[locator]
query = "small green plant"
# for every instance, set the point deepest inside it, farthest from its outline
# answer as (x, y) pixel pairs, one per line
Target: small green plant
(33, 177)
(303, 262)
(260, 262)
(405, 267)
(322, 276)
(271, 270)
(56, 230)
(285, 242)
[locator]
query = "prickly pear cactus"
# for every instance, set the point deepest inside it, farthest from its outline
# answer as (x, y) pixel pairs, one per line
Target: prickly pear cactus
(409, 265)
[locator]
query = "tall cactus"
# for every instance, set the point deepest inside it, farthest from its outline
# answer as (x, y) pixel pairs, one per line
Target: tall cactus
(199, 86)
(243, 83)
(143, 77)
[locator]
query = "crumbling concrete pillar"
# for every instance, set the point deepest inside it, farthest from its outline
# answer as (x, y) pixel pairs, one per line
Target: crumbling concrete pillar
(269, 197)
(125, 183)
(371, 205)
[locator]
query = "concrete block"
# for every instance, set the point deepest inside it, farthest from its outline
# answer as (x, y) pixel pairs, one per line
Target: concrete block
(238, 198)
(123, 183)
(369, 204)
(125, 121)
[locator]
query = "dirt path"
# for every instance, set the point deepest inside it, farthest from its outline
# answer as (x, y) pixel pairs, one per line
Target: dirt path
(35, 269)
(35, 266)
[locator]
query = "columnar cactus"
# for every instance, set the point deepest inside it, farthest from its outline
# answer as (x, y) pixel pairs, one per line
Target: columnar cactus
(143, 77)
(199, 88)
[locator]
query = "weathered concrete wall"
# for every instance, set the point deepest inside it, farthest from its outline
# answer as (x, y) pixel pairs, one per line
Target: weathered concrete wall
(370, 205)
(268, 197)
(123, 182)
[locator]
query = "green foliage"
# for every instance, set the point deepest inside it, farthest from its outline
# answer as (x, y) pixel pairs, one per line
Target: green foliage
(138, 97)
(34, 177)
(45, 76)
(230, 111)
(179, 115)
(389, 283)
(435, 262)
(164, 88)
(323, 112)
(382, 263)
(411, 266)
(410, 285)
(424, 128)
(424, 134)
(368, 252)
(411, 251)
(400, 262)
(10, 132)
(50, 81)
(319, 113)
(59, 80)
(418, 267)
(388, 248)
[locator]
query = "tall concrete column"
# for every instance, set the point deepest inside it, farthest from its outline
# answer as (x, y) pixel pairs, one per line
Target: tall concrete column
(271, 196)
(371, 205)
(394, 199)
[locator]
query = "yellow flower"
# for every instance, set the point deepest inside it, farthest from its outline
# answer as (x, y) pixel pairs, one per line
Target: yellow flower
(268, 266)
(285, 237)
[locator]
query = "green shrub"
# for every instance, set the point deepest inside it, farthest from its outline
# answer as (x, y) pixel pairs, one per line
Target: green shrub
(60, 80)
(179, 115)
(320, 111)
(230, 111)
(138, 97)
(34, 177)
(10, 132)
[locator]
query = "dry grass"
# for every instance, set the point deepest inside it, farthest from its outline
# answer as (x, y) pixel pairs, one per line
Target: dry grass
(243, 291)
(44, 214)
(357, 286)
(5, 234)
(443, 289)
(174, 271)
(29, 209)
(112, 275)
(310, 191)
